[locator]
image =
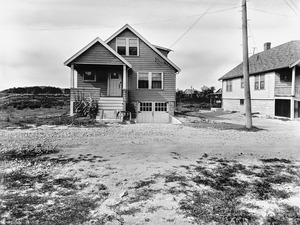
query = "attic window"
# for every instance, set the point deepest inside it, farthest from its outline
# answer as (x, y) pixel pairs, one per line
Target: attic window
(128, 46)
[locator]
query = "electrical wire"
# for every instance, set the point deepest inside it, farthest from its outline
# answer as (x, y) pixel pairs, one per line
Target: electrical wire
(201, 16)
(135, 24)
(264, 11)
(251, 34)
(292, 8)
(295, 5)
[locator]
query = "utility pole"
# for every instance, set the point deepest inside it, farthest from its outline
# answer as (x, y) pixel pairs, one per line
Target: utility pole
(246, 67)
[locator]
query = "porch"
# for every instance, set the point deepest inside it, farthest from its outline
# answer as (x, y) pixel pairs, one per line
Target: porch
(104, 84)
(287, 91)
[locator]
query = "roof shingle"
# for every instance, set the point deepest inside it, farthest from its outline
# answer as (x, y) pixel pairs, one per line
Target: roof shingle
(281, 56)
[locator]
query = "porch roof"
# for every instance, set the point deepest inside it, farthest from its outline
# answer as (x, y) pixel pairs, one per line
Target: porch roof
(97, 40)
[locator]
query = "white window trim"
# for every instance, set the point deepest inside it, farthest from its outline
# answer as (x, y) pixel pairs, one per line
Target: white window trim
(127, 46)
(259, 82)
(152, 107)
(150, 80)
(95, 76)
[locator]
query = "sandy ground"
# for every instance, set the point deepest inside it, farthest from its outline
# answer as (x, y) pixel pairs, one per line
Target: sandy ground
(135, 152)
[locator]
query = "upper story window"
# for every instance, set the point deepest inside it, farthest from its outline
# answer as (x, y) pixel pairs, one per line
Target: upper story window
(259, 82)
(228, 85)
(89, 76)
(128, 46)
(150, 80)
(242, 82)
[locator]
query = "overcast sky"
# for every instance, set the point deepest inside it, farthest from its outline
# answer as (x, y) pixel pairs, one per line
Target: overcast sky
(38, 36)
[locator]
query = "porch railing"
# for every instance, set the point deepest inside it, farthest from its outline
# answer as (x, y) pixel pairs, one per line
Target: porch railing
(283, 91)
(297, 92)
(84, 93)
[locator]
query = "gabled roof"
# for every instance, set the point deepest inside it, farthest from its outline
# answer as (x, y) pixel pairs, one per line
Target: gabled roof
(127, 26)
(282, 56)
(66, 63)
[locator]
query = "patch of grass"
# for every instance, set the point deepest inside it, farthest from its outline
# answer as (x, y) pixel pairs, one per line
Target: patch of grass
(27, 151)
(286, 215)
(20, 178)
(275, 160)
(279, 179)
(66, 182)
(173, 177)
(153, 209)
(216, 208)
(263, 191)
(141, 195)
(143, 183)
(129, 212)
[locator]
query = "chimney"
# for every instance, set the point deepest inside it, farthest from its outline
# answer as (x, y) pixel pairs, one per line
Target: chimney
(267, 46)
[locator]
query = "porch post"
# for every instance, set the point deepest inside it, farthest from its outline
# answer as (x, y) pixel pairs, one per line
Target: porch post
(293, 81)
(71, 86)
(292, 108)
(124, 77)
(125, 93)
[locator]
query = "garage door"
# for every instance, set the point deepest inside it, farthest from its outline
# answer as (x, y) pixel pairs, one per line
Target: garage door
(153, 112)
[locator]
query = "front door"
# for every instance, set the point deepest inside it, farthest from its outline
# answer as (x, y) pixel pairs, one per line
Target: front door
(115, 84)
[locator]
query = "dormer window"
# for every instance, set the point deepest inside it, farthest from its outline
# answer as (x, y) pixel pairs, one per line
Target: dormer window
(128, 46)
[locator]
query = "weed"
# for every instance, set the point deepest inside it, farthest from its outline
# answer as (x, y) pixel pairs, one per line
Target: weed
(19, 178)
(153, 209)
(130, 211)
(30, 209)
(142, 195)
(279, 179)
(173, 177)
(274, 160)
(143, 183)
(216, 207)
(263, 191)
(27, 151)
(287, 215)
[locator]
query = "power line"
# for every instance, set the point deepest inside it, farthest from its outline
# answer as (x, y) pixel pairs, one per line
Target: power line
(98, 27)
(292, 8)
(201, 16)
(295, 5)
(274, 13)
(180, 18)
(251, 34)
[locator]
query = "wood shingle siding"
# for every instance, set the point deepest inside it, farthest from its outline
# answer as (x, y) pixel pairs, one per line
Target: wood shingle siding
(148, 61)
(97, 54)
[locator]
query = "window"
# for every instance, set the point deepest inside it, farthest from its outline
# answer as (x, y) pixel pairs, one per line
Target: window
(160, 106)
(145, 106)
(89, 76)
(229, 85)
(143, 80)
(259, 82)
(150, 80)
(128, 46)
(242, 82)
(241, 101)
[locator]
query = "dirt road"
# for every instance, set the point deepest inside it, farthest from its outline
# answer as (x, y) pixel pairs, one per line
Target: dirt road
(137, 152)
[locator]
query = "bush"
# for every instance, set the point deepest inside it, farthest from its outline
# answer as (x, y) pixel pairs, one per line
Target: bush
(86, 108)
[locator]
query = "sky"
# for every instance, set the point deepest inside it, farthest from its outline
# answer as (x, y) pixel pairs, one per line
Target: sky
(38, 36)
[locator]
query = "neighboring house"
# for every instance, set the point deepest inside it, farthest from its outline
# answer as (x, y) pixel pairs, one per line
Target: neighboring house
(190, 92)
(274, 82)
(126, 68)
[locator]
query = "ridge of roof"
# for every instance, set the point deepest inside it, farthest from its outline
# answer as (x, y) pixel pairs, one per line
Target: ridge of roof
(278, 57)
(127, 26)
(97, 39)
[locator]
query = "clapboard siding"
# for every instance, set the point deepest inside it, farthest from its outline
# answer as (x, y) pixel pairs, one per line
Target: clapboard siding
(148, 61)
(97, 54)
(101, 82)
(238, 92)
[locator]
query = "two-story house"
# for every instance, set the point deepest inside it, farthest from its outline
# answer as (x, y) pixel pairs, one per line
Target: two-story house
(274, 82)
(126, 68)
